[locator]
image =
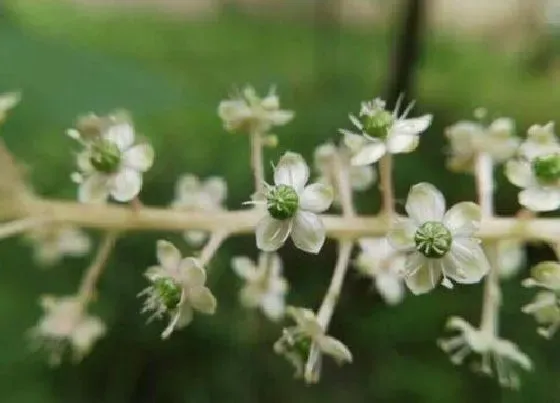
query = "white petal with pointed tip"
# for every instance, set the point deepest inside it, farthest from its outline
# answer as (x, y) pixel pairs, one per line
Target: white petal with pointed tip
(466, 262)
(202, 300)
(463, 218)
(402, 143)
(370, 153)
(308, 232)
(423, 275)
(316, 198)
(292, 171)
(193, 273)
(425, 203)
(335, 348)
(271, 234)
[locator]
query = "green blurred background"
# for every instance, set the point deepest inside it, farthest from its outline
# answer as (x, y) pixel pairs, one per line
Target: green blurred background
(171, 68)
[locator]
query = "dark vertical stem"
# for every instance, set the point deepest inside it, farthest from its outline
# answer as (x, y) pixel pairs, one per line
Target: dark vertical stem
(408, 46)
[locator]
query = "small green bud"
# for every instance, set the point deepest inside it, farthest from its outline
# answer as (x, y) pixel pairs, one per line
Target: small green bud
(168, 291)
(547, 168)
(282, 202)
(105, 156)
(433, 239)
(378, 124)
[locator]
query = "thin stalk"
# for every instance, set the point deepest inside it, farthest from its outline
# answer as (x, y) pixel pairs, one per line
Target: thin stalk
(386, 185)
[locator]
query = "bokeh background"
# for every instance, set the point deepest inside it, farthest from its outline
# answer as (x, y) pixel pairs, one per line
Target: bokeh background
(170, 62)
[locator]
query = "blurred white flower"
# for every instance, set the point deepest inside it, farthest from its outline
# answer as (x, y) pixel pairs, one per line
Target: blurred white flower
(360, 177)
(438, 243)
(193, 195)
(265, 287)
(8, 101)
(380, 132)
(177, 289)
(537, 170)
(111, 163)
(307, 341)
(53, 242)
(498, 356)
(380, 262)
(511, 257)
(248, 113)
(467, 139)
(292, 208)
(65, 324)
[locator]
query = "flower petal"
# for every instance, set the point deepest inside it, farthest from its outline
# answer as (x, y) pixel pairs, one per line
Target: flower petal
(519, 172)
(74, 242)
(390, 287)
(305, 319)
(412, 126)
(316, 198)
(94, 189)
(202, 300)
(370, 153)
(466, 262)
(273, 306)
(280, 117)
(168, 255)
(193, 273)
(540, 199)
(463, 218)
(140, 157)
(354, 141)
(195, 238)
(362, 177)
(216, 188)
(402, 143)
(401, 235)
(308, 232)
(121, 134)
(424, 274)
(126, 185)
(335, 348)
(425, 203)
(292, 171)
(271, 234)
(243, 267)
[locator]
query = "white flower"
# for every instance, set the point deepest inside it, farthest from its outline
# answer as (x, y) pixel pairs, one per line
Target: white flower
(65, 324)
(53, 242)
(293, 207)
(380, 262)
(177, 289)
(8, 101)
(498, 356)
(467, 139)
(381, 132)
(537, 170)
(265, 287)
(438, 243)
(193, 195)
(249, 113)
(360, 177)
(111, 163)
(511, 257)
(307, 341)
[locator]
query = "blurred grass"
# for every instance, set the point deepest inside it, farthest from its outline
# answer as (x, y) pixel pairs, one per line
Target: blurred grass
(171, 74)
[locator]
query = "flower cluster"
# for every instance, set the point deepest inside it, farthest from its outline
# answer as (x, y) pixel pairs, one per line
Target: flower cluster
(53, 242)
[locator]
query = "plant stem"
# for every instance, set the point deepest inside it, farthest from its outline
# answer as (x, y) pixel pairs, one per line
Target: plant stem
(386, 185)
(257, 161)
(16, 227)
(212, 246)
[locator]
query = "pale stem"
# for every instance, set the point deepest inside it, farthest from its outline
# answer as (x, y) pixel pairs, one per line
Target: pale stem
(12, 228)
(94, 271)
(212, 246)
(342, 177)
(386, 185)
(257, 161)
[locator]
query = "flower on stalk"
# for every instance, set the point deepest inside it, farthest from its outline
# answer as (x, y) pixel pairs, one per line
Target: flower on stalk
(438, 243)
(360, 177)
(537, 170)
(177, 289)
(468, 138)
(511, 257)
(306, 342)
(381, 131)
(66, 325)
(111, 164)
(498, 356)
(51, 243)
(292, 208)
(191, 194)
(248, 113)
(265, 287)
(8, 101)
(546, 305)
(380, 262)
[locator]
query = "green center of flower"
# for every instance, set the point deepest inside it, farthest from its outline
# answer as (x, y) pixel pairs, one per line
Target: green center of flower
(433, 239)
(282, 202)
(547, 168)
(168, 291)
(105, 156)
(378, 124)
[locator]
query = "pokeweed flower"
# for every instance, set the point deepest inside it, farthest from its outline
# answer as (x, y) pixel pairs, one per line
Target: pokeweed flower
(546, 305)
(53, 242)
(307, 341)
(380, 131)
(360, 177)
(385, 266)
(265, 287)
(8, 101)
(66, 325)
(111, 163)
(248, 113)
(468, 139)
(537, 170)
(193, 195)
(177, 289)
(292, 208)
(438, 243)
(511, 257)
(498, 356)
